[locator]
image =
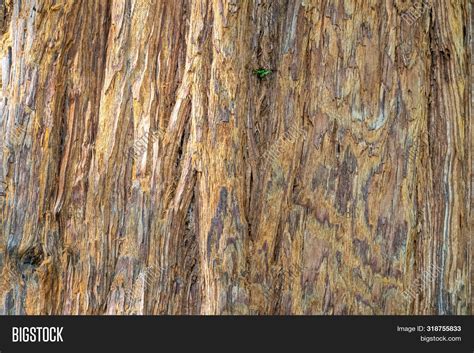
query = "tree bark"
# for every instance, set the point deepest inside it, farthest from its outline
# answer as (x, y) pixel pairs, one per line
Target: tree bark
(147, 169)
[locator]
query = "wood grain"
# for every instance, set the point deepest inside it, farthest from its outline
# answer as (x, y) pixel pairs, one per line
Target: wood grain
(334, 185)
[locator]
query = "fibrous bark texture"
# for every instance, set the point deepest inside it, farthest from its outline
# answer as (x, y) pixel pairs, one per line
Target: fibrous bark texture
(147, 168)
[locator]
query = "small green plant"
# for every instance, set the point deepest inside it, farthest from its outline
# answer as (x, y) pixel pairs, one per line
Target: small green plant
(262, 73)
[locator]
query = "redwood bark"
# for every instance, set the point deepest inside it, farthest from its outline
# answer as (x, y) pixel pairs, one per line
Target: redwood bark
(146, 169)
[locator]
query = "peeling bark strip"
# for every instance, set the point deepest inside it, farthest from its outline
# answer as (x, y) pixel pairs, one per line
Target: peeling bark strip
(416, 11)
(140, 146)
(147, 169)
